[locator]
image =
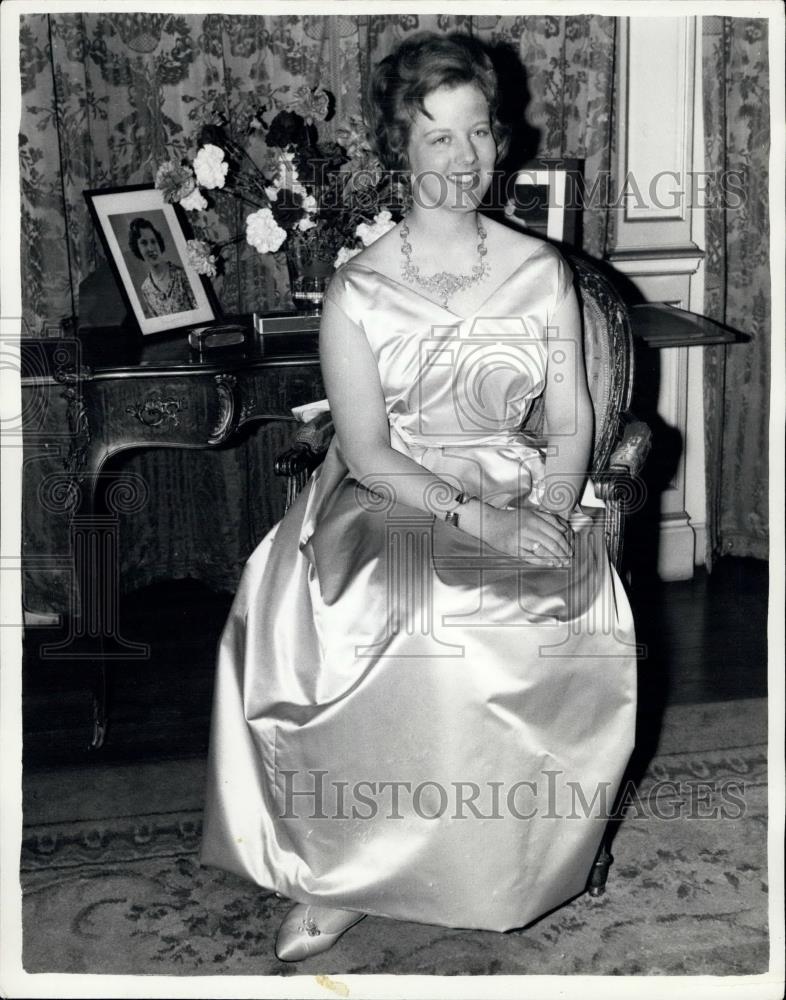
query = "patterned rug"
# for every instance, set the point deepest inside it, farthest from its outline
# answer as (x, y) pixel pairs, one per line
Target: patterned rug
(120, 891)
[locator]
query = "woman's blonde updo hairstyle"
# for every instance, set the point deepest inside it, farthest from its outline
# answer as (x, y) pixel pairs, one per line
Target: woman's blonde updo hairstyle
(419, 65)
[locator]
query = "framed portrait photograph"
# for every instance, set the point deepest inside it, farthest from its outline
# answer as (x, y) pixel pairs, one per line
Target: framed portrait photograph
(545, 198)
(146, 247)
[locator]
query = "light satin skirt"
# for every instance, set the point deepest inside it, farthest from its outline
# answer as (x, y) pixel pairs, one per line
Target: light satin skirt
(410, 725)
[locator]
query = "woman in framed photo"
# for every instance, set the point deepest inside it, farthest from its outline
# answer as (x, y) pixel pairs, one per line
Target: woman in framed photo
(431, 651)
(165, 289)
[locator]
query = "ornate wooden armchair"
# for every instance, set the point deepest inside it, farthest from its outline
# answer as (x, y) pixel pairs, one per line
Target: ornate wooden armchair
(621, 442)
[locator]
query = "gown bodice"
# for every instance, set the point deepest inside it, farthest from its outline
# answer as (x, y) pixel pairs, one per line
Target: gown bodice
(458, 389)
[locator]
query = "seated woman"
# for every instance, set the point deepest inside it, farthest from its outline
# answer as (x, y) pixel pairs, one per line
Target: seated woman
(165, 289)
(426, 686)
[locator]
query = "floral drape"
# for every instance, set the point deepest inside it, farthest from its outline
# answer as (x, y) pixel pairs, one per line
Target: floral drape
(107, 97)
(737, 289)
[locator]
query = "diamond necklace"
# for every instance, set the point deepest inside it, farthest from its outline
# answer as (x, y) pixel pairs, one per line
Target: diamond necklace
(445, 283)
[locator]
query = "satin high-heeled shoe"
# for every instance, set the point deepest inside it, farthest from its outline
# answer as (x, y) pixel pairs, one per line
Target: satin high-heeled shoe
(311, 930)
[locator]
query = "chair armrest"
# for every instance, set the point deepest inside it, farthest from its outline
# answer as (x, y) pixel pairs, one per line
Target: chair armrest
(317, 433)
(631, 453)
(308, 447)
(616, 482)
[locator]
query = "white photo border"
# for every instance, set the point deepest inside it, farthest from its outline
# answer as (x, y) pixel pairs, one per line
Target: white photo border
(139, 199)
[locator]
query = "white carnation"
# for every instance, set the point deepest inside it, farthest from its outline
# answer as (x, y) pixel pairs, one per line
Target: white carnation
(194, 202)
(305, 223)
(310, 204)
(344, 255)
(287, 175)
(263, 233)
(272, 192)
(369, 232)
(210, 166)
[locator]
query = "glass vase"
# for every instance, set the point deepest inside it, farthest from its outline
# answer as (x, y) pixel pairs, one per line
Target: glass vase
(310, 271)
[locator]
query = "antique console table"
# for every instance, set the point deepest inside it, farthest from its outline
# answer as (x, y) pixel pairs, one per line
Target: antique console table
(122, 392)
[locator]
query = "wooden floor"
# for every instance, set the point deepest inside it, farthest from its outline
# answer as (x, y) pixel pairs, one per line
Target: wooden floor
(705, 639)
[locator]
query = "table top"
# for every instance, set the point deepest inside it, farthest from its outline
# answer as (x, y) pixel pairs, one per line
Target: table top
(660, 325)
(112, 352)
(116, 352)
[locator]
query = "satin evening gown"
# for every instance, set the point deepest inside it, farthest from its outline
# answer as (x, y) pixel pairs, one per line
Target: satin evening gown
(406, 722)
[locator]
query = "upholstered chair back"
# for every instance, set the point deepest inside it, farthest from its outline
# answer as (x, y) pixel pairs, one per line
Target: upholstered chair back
(608, 357)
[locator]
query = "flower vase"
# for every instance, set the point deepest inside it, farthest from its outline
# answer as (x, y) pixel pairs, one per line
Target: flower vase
(309, 273)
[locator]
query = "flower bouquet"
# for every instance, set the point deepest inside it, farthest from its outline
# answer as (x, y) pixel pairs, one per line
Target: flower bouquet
(319, 201)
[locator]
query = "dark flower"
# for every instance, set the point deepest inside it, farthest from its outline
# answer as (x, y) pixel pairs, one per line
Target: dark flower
(287, 208)
(332, 154)
(213, 135)
(287, 128)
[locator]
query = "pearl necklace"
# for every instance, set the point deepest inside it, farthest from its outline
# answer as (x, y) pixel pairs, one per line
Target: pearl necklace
(445, 283)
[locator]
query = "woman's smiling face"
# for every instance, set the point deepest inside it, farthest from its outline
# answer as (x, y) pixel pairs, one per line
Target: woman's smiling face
(149, 249)
(452, 153)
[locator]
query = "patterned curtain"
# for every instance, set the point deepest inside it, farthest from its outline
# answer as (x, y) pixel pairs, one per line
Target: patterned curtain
(107, 97)
(737, 290)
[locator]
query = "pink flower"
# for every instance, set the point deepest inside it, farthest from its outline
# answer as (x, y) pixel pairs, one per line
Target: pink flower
(200, 258)
(174, 181)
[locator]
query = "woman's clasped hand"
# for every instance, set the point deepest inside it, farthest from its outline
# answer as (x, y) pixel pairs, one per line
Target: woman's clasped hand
(537, 536)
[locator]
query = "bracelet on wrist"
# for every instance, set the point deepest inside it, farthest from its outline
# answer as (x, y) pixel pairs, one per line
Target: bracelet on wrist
(451, 516)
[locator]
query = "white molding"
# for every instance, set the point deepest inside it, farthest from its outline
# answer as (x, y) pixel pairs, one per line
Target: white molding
(661, 249)
(667, 147)
(673, 408)
(656, 265)
(656, 140)
(696, 485)
(676, 550)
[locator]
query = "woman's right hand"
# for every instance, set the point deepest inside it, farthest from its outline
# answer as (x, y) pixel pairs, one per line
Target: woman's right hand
(537, 536)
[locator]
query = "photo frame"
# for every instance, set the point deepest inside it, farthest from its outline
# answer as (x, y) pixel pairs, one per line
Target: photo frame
(146, 247)
(545, 198)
